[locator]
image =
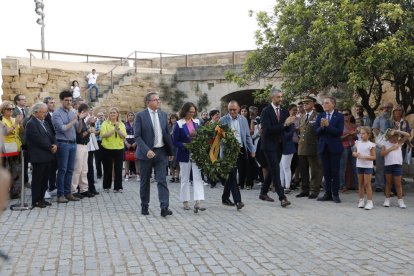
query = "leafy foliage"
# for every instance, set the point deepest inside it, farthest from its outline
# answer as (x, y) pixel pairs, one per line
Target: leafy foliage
(171, 95)
(200, 147)
(203, 101)
(359, 45)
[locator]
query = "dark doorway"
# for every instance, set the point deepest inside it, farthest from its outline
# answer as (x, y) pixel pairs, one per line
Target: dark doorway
(243, 97)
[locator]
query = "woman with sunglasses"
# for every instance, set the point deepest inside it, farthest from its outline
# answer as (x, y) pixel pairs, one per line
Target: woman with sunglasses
(349, 135)
(113, 134)
(12, 144)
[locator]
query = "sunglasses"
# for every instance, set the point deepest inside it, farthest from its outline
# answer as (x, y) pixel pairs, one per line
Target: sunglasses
(345, 114)
(9, 109)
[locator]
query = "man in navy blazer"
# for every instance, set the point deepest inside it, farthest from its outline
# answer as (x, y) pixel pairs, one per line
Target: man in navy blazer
(41, 144)
(154, 144)
(241, 130)
(329, 127)
(273, 119)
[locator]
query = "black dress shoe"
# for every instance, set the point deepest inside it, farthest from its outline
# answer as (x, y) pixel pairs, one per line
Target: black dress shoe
(78, 195)
(302, 194)
(166, 212)
(336, 199)
(144, 211)
(47, 203)
(313, 196)
(87, 194)
(239, 205)
(325, 197)
(39, 204)
(227, 202)
(95, 193)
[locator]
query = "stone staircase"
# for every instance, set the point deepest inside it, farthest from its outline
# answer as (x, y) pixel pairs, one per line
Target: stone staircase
(129, 91)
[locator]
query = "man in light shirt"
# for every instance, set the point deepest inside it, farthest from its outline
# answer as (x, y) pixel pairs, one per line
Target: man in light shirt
(92, 79)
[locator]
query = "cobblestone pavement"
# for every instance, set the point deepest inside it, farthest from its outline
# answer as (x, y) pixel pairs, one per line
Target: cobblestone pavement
(107, 235)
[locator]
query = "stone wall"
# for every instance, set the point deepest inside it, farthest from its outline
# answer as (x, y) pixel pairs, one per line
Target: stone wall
(195, 60)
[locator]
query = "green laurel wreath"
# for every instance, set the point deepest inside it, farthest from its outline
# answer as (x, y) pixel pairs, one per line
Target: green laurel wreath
(200, 148)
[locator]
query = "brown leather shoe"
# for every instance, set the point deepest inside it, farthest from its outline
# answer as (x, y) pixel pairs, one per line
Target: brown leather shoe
(285, 202)
(70, 197)
(266, 198)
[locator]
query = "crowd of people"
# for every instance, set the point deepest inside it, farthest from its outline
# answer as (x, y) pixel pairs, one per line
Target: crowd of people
(281, 148)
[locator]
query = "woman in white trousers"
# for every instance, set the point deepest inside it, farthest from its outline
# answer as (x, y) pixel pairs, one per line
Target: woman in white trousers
(184, 131)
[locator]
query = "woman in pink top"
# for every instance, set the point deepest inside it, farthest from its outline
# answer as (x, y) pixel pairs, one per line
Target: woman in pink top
(184, 131)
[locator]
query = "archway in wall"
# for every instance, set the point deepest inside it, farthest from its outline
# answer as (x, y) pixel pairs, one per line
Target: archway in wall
(243, 97)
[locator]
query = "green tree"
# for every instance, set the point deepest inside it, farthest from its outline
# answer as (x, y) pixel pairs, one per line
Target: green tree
(319, 44)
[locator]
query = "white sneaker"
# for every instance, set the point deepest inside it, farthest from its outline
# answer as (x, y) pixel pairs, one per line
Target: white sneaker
(369, 205)
(361, 203)
(401, 204)
(386, 202)
(47, 195)
(53, 193)
(138, 178)
(126, 177)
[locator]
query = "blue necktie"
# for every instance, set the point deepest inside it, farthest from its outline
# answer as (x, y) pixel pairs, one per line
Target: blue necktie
(329, 117)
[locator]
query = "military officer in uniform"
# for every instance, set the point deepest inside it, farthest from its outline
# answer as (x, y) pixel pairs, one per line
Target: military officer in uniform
(308, 151)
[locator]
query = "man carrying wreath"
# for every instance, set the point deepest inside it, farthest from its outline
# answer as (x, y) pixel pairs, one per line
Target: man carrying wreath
(241, 130)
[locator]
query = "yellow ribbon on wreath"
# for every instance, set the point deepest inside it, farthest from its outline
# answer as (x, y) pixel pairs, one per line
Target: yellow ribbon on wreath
(215, 147)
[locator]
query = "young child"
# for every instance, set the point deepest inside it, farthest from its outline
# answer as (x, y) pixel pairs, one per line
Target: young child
(393, 163)
(365, 155)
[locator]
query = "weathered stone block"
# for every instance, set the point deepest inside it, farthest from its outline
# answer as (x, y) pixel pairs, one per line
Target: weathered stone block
(15, 85)
(41, 80)
(10, 72)
(32, 84)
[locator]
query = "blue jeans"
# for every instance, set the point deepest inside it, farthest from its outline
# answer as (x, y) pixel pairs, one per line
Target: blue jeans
(90, 87)
(65, 156)
(346, 159)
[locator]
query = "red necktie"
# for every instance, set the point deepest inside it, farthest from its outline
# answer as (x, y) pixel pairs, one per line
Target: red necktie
(277, 114)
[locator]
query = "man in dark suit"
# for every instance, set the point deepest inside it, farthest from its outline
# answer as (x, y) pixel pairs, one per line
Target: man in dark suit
(50, 102)
(273, 119)
(329, 127)
(240, 126)
(154, 149)
(41, 148)
(21, 109)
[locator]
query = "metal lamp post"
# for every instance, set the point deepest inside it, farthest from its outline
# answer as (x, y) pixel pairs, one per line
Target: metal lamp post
(41, 21)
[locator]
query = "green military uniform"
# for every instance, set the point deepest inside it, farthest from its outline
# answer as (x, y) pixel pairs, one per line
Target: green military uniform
(308, 156)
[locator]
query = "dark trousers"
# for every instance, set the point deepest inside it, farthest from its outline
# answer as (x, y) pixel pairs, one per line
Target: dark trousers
(242, 167)
(115, 158)
(273, 160)
(90, 174)
(231, 186)
(52, 175)
(310, 184)
(159, 163)
(40, 177)
(331, 163)
(98, 160)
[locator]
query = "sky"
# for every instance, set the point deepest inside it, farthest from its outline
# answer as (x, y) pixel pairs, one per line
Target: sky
(117, 28)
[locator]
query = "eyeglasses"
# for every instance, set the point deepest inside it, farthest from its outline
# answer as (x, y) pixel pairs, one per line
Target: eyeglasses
(345, 114)
(153, 100)
(232, 109)
(307, 103)
(9, 109)
(68, 101)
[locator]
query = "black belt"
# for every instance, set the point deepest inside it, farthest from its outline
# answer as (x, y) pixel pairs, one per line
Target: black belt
(66, 141)
(159, 148)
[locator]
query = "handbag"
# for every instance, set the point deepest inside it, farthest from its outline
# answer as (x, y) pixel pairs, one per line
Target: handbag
(10, 147)
(130, 155)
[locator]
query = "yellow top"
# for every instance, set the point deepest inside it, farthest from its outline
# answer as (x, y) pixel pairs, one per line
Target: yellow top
(114, 141)
(13, 136)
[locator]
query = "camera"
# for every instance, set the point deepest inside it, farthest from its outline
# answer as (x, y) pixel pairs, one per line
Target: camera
(257, 120)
